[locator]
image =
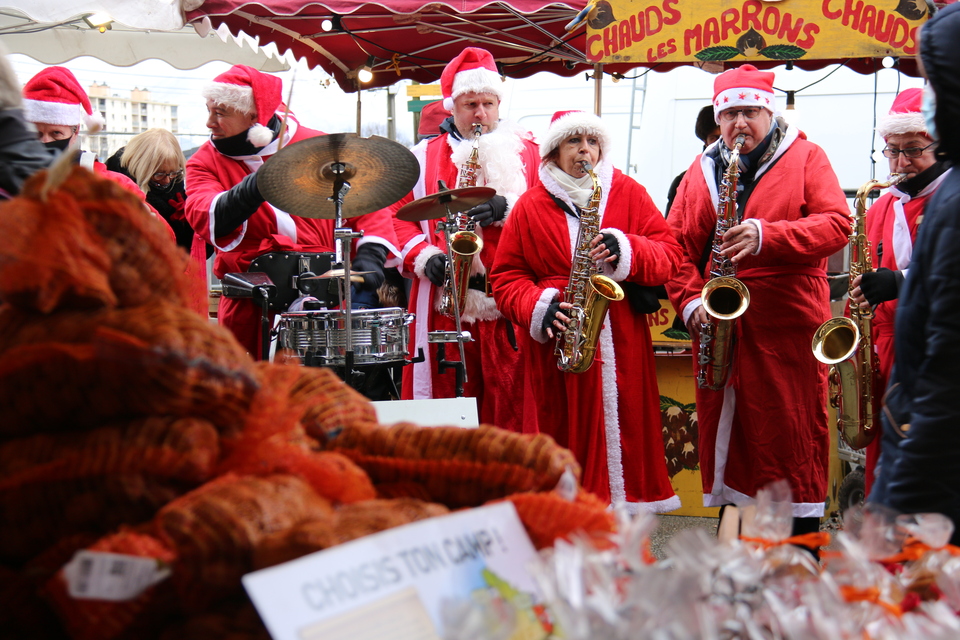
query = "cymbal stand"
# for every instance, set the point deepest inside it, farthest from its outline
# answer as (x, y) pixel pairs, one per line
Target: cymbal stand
(343, 237)
(448, 227)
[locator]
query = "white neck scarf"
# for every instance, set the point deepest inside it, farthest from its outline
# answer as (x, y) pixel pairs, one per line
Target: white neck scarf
(579, 189)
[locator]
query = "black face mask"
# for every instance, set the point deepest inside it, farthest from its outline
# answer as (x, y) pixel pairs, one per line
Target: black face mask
(238, 145)
(56, 147)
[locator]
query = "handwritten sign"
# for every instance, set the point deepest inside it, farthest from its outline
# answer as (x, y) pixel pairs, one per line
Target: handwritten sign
(751, 30)
(391, 585)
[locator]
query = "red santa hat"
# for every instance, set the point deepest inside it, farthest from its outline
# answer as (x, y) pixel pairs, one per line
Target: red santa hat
(904, 116)
(54, 96)
(473, 71)
(564, 124)
(745, 86)
(248, 91)
(431, 117)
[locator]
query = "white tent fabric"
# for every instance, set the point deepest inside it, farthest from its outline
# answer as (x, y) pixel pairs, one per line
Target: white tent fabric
(140, 14)
(68, 38)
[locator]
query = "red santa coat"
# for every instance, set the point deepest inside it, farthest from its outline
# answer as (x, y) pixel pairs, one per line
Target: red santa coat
(508, 159)
(893, 221)
(209, 174)
(770, 422)
(608, 416)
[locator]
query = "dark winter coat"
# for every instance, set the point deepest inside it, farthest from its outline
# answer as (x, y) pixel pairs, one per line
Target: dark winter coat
(918, 470)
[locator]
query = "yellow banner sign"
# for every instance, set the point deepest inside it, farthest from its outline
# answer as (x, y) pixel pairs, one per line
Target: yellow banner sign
(646, 31)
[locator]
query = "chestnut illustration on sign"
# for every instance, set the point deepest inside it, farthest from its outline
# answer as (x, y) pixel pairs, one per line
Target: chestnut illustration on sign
(751, 43)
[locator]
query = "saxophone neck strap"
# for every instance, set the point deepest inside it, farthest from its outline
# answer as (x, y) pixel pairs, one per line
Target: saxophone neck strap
(564, 206)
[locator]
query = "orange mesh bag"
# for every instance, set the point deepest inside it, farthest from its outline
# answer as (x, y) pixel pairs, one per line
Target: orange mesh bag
(548, 516)
(457, 467)
(73, 370)
(273, 440)
(87, 619)
(57, 485)
(235, 619)
(328, 403)
(86, 241)
(215, 529)
(349, 522)
(23, 613)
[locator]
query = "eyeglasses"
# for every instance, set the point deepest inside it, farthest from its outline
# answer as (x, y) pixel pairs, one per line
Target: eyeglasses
(910, 152)
(160, 175)
(750, 113)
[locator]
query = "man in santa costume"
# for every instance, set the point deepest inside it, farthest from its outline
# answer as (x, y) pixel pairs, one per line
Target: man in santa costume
(770, 420)
(892, 224)
(226, 208)
(471, 88)
(57, 106)
(608, 415)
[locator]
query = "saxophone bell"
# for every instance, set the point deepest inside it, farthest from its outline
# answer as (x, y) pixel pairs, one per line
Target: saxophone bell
(846, 344)
(724, 297)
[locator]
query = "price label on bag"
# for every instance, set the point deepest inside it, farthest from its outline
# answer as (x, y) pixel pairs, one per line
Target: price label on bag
(97, 575)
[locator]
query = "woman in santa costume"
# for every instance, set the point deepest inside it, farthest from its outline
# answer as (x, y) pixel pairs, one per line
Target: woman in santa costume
(770, 420)
(609, 415)
(508, 158)
(892, 224)
(225, 207)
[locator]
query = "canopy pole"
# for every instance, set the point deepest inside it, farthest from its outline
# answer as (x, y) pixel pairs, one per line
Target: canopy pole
(358, 108)
(597, 88)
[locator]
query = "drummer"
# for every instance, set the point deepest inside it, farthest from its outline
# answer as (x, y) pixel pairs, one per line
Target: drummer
(508, 158)
(225, 206)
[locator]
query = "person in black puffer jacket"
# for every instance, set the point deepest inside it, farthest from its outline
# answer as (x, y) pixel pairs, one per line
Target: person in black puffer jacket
(918, 471)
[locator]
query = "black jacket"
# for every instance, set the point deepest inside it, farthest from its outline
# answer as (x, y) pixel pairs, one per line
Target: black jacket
(21, 153)
(919, 468)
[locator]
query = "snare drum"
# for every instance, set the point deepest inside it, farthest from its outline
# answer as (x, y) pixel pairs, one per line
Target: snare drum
(379, 335)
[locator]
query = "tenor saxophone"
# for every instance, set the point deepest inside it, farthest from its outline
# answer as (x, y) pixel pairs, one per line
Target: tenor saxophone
(589, 292)
(724, 297)
(465, 244)
(846, 344)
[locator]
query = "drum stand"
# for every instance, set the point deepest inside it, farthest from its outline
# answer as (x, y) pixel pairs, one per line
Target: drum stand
(343, 238)
(448, 227)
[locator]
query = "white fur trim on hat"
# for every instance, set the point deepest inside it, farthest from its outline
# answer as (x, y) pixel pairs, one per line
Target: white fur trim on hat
(61, 113)
(740, 97)
(901, 123)
(478, 80)
(235, 96)
(572, 123)
(259, 135)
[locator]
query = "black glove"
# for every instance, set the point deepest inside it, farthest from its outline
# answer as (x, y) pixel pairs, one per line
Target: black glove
(489, 212)
(881, 285)
(236, 205)
(610, 241)
(551, 316)
(436, 269)
(370, 257)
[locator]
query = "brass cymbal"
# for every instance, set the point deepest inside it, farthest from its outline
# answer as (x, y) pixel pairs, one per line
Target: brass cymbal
(435, 206)
(300, 178)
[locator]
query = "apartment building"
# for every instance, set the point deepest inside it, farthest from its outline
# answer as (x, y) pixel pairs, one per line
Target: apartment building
(125, 117)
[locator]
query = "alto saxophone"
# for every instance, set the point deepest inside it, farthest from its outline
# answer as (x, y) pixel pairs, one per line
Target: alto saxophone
(724, 298)
(846, 344)
(464, 243)
(589, 292)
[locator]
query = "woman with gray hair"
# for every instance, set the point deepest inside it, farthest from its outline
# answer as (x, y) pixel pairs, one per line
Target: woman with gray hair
(21, 154)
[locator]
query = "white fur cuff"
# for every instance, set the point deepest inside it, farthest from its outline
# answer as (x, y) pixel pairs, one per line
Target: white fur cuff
(547, 296)
(420, 263)
(626, 257)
